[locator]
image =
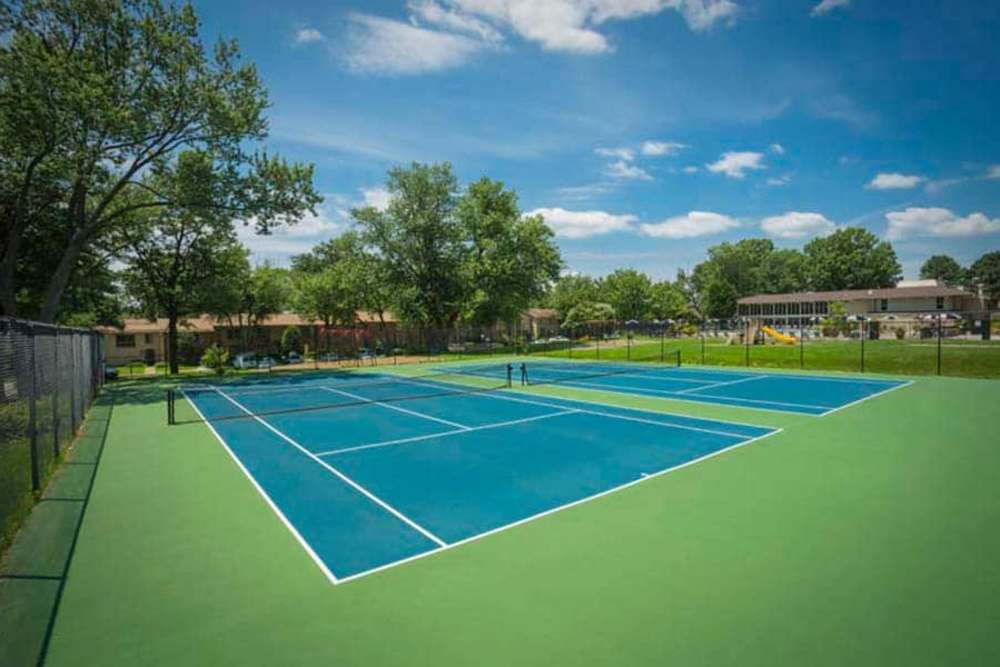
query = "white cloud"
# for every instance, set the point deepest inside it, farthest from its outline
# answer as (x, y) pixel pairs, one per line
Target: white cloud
(570, 25)
(690, 169)
(582, 224)
(778, 181)
(659, 148)
(428, 11)
(306, 35)
(695, 223)
(735, 164)
(622, 153)
(994, 172)
(797, 225)
(384, 46)
(624, 170)
(777, 149)
(827, 6)
(894, 182)
(937, 222)
(329, 221)
(376, 197)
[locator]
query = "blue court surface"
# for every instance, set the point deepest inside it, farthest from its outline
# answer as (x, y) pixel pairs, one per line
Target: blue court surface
(784, 392)
(371, 470)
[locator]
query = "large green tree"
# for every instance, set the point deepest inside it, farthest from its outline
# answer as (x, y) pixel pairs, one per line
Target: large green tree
(628, 292)
(446, 256)
(421, 242)
(851, 258)
(178, 259)
(985, 273)
(943, 268)
(571, 290)
(667, 302)
(511, 257)
(245, 297)
(95, 94)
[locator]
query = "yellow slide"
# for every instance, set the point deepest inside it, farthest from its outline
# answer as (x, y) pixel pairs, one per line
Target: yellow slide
(778, 336)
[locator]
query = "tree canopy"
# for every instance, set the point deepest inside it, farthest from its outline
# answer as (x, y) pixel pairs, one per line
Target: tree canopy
(943, 268)
(851, 258)
(94, 96)
(448, 256)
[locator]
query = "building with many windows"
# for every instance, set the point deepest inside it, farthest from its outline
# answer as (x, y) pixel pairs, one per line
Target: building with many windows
(908, 300)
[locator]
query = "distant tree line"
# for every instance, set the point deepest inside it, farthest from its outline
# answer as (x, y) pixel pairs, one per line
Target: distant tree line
(850, 258)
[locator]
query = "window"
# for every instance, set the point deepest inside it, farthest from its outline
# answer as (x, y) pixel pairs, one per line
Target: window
(884, 304)
(807, 308)
(940, 303)
(148, 338)
(125, 340)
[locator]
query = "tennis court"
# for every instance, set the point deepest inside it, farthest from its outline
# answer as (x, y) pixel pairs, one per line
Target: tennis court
(783, 392)
(376, 470)
(371, 469)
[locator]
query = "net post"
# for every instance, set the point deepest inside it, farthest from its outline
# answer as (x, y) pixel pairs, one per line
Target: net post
(678, 353)
(510, 373)
(170, 407)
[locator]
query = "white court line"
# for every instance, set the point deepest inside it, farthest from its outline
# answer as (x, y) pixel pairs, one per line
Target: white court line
(431, 436)
(371, 496)
(267, 499)
(611, 415)
(645, 411)
(533, 517)
(862, 400)
(413, 413)
(612, 387)
(722, 384)
(625, 374)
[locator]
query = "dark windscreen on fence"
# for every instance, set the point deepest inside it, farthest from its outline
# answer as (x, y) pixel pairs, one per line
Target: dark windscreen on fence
(48, 378)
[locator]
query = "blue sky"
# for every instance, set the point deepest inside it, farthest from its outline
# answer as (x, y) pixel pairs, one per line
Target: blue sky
(647, 130)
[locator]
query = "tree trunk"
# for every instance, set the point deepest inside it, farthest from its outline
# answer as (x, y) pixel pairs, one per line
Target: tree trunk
(8, 288)
(172, 342)
(61, 277)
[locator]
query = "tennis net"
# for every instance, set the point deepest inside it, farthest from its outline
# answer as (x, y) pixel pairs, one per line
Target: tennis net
(344, 390)
(537, 372)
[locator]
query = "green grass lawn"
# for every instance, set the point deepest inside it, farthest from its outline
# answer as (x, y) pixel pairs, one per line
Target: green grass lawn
(867, 537)
(958, 357)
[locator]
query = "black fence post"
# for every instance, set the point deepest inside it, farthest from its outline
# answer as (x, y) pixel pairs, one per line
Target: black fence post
(36, 477)
(939, 335)
(72, 384)
(861, 335)
(748, 344)
(802, 344)
(702, 342)
(55, 392)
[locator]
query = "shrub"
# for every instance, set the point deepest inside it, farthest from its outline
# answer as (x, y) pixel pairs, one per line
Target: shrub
(291, 340)
(215, 358)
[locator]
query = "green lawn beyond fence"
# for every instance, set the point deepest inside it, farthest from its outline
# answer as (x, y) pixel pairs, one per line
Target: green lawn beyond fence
(978, 359)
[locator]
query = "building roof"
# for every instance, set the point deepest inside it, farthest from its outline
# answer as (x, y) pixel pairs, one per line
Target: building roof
(541, 313)
(208, 323)
(921, 292)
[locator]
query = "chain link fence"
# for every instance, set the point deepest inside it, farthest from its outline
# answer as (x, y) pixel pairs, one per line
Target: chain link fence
(49, 376)
(966, 345)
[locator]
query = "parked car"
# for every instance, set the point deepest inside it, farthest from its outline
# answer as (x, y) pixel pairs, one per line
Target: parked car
(329, 356)
(251, 360)
(293, 358)
(110, 373)
(245, 360)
